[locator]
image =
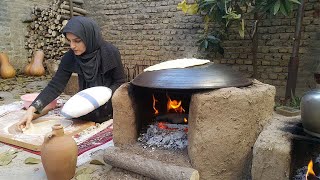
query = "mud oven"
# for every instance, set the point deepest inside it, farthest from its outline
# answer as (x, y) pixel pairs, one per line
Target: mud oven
(224, 113)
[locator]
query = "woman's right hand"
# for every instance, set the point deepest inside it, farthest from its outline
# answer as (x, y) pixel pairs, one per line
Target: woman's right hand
(24, 123)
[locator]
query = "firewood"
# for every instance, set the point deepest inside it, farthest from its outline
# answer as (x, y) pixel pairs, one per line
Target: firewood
(148, 167)
(78, 1)
(75, 9)
(67, 12)
(45, 28)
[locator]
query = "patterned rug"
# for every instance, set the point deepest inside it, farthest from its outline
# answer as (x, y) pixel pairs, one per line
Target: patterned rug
(96, 140)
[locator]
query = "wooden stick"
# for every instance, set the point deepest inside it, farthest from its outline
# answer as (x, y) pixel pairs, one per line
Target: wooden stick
(71, 8)
(76, 9)
(148, 167)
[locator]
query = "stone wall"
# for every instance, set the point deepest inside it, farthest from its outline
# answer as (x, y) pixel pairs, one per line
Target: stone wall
(12, 30)
(148, 32)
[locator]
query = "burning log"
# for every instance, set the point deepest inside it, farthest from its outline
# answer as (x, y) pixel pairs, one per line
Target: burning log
(148, 167)
(173, 118)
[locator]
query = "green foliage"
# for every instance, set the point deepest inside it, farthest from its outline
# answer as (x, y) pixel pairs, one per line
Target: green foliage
(211, 43)
(294, 101)
(226, 12)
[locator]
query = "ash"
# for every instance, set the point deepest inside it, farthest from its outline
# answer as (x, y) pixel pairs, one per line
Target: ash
(173, 137)
(301, 173)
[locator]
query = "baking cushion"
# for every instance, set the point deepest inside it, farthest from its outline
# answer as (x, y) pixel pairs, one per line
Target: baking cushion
(86, 101)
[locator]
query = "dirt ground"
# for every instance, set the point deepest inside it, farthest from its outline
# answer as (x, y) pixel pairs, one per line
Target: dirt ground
(12, 89)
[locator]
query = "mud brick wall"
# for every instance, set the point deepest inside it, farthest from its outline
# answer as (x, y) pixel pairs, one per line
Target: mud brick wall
(12, 30)
(151, 31)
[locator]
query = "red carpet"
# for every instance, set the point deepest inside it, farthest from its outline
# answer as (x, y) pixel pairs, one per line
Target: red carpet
(96, 140)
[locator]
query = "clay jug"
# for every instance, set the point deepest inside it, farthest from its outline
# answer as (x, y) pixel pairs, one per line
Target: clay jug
(59, 154)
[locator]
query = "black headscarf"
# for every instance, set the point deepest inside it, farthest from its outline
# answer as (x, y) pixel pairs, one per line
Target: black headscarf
(90, 61)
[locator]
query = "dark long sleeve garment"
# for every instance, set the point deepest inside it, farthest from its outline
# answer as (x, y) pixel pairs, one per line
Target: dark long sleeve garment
(113, 76)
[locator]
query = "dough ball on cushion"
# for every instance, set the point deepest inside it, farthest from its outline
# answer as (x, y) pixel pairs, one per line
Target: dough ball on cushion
(86, 101)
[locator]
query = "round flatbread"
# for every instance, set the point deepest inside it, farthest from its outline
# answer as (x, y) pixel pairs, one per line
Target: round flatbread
(178, 63)
(43, 127)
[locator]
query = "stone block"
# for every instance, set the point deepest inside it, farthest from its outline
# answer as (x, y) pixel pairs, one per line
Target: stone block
(123, 106)
(223, 127)
(272, 151)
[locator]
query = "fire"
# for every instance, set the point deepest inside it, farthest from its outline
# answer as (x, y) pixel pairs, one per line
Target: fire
(156, 112)
(174, 105)
(310, 170)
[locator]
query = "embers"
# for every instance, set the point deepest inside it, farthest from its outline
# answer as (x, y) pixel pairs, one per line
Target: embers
(165, 135)
(164, 122)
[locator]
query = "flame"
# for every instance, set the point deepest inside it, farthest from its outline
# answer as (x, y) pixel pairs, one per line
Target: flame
(156, 112)
(185, 120)
(174, 105)
(310, 170)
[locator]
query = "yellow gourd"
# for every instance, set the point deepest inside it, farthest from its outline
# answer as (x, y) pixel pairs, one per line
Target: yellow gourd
(36, 67)
(6, 69)
(27, 68)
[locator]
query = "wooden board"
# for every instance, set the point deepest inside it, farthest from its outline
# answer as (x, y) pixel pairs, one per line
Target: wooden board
(33, 142)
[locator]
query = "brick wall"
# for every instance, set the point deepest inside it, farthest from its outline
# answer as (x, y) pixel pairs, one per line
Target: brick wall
(151, 31)
(275, 48)
(146, 32)
(12, 30)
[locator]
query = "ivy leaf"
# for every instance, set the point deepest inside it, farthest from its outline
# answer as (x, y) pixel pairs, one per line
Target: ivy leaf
(193, 9)
(241, 28)
(6, 157)
(84, 177)
(283, 10)
(96, 162)
(31, 160)
(86, 170)
(295, 1)
(188, 9)
(276, 7)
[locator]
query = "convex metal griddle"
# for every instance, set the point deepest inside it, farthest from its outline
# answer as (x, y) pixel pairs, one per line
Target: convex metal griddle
(207, 76)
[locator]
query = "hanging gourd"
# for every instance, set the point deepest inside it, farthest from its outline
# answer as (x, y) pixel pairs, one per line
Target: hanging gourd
(6, 69)
(36, 68)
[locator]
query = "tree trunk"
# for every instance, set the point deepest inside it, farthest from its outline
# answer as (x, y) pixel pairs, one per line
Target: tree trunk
(294, 59)
(254, 47)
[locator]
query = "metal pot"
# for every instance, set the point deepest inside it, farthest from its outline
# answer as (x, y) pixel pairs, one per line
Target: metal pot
(310, 112)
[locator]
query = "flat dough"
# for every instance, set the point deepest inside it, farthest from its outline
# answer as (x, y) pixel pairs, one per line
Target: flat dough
(43, 127)
(178, 63)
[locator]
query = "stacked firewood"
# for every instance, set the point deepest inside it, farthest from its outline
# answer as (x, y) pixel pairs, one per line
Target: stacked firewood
(45, 27)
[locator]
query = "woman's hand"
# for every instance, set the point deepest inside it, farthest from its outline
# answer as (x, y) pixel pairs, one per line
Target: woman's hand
(24, 123)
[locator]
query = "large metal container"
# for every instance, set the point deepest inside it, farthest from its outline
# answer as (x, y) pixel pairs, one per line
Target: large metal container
(310, 112)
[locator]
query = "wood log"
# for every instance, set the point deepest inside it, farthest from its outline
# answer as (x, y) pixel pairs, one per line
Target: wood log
(75, 9)
(148, 167)
(71, 8)
(78, 1)
(67, 12)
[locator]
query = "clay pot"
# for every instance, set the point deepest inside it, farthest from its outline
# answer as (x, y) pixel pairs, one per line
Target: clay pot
(59, 154)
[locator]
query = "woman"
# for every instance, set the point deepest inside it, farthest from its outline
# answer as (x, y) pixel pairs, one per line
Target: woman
(96, 62)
